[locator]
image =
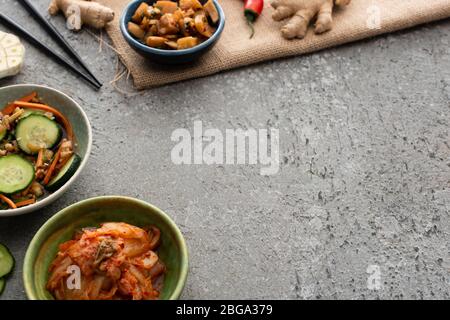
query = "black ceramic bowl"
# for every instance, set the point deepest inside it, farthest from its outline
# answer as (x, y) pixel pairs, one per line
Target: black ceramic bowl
(168, 56)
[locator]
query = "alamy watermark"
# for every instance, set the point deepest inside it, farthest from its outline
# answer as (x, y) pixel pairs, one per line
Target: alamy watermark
(374, 279)
(230, 147)
(73, 14)
(73, 281)
(374, 282)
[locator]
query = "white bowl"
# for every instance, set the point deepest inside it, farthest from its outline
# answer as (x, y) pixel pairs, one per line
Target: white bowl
(76, 116)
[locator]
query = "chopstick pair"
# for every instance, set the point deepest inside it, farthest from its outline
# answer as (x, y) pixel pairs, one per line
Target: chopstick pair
(90, 78)
(58, 37)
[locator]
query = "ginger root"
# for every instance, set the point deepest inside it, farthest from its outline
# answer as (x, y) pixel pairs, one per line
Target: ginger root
(82, 12)
(302, 12)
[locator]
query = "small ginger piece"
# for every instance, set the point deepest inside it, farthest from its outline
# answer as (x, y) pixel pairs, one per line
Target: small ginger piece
(166, 6)
(187, 25)
(302, 12)
(211, 9)
(66, 150)
(190, 4)
(145, 23)
(82, 12)
(140, 13)
(179, 14)
(187, 42)
(168, 24)
(153, 13)
(172, 44)
(202, 25)
(156, 42)
(135, 30)
(36, 189)
(153, 31)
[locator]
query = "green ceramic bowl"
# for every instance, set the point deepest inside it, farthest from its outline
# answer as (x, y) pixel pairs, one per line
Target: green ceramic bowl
(90, 213)
(79, 121)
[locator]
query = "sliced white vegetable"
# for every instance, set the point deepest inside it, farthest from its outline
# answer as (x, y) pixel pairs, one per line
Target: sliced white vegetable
(12, 55)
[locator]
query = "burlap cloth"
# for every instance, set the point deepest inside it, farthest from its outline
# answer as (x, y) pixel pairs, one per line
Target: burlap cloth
(235, 49)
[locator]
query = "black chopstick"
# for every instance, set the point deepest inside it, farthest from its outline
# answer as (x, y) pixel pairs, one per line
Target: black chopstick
(57, 36)
(33, 40)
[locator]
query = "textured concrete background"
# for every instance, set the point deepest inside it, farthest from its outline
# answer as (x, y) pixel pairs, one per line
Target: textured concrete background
(364, 176)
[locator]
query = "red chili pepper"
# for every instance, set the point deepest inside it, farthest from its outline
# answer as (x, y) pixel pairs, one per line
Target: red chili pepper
(252, 10)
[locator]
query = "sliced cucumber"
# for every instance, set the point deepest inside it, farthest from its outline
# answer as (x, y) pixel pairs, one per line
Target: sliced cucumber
(6, 261)
(37, 132)
(65, 174)
(16, 174)
(29, 112)
(2, 285)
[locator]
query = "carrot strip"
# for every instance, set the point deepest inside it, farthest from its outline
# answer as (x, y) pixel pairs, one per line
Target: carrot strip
(63, 163)
(56, 113)
(52, 167)
(12, 106)
(39, 163)
(40, 157)
(8, 201)
(25, 203)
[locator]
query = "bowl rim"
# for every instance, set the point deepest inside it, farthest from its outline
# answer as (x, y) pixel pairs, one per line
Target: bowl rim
(54, 195)
(33, 247)
(171, 53)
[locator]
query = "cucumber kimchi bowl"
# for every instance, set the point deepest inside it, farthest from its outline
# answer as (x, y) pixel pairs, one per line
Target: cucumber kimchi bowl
(38, 151)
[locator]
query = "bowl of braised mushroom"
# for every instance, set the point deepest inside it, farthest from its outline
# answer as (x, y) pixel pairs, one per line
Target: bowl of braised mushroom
(172, 32)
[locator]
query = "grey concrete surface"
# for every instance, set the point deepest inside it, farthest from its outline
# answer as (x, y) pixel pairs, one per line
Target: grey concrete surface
(364, 178)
